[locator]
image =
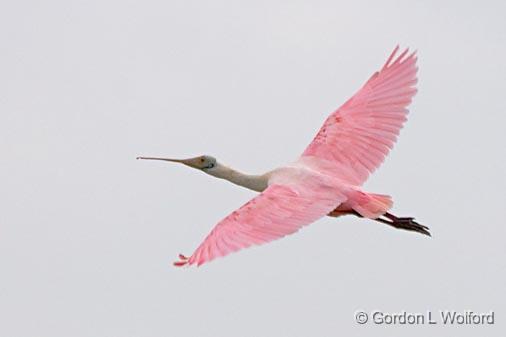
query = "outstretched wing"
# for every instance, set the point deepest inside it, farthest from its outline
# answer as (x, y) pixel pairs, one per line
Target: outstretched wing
(278, 211)
(355, 139)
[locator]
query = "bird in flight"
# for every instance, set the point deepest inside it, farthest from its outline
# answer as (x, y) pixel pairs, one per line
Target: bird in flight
(327, 178)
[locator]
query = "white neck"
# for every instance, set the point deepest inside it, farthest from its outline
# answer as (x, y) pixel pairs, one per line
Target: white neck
(253, 182)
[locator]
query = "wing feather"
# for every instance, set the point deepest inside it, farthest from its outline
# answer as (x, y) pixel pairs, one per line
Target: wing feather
(357, 137)
(278, 211)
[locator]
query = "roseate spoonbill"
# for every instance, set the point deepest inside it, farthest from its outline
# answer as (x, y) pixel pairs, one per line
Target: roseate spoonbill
(326, 179)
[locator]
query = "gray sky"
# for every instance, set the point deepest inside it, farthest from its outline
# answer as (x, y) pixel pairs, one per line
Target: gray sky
(88, 234)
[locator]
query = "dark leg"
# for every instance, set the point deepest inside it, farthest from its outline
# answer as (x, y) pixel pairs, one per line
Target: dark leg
(406, 223)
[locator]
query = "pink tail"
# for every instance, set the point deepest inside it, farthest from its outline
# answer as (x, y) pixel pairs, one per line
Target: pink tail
(370, 205)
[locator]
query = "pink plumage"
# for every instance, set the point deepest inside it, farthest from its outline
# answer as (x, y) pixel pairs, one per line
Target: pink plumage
(357, 137)
(352, 143)
(278, 211)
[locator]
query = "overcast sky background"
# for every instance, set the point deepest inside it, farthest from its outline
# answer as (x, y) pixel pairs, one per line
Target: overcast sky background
(88, 234)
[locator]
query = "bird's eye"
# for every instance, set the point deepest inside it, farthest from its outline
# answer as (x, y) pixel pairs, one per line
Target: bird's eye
(210, 166)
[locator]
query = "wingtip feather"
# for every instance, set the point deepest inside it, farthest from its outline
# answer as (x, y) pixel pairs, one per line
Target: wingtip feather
(392, 55)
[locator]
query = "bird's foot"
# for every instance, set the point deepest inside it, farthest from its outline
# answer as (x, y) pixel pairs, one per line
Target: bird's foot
(182, 261)
(406, 223)
(407, 219)
(411, 225)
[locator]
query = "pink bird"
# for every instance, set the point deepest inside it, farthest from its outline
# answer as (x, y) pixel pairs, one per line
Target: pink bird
(327, 178)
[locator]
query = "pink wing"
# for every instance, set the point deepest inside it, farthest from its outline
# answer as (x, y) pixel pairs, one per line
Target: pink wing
(355, 139)
(278, 211)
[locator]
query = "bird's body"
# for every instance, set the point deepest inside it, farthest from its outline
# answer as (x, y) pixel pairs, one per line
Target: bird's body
(327, 178)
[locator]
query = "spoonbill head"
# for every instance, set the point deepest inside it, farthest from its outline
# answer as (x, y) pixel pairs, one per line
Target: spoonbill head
(203, 163)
